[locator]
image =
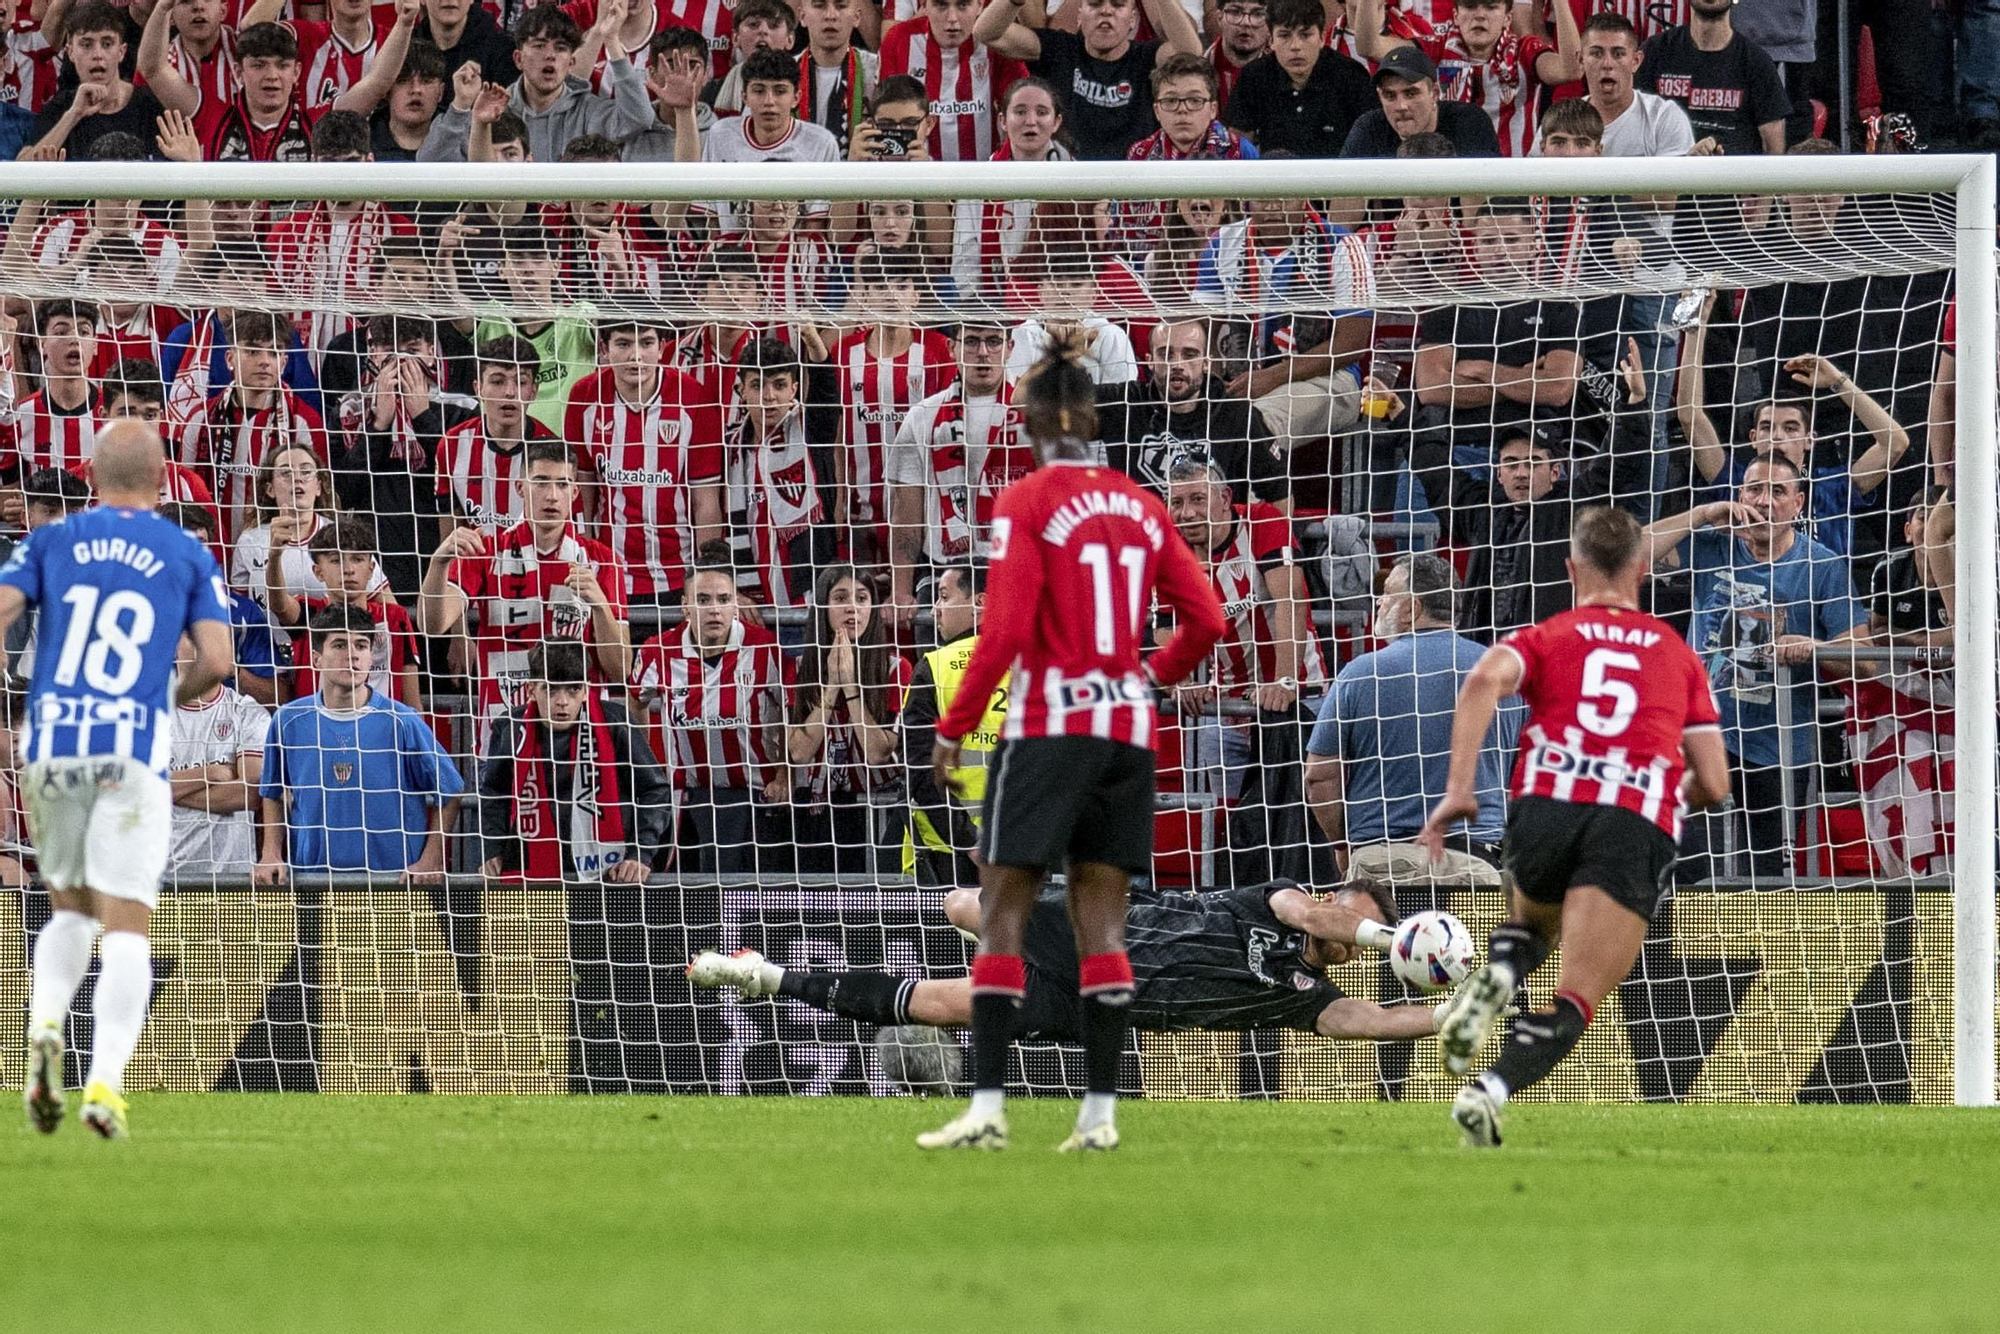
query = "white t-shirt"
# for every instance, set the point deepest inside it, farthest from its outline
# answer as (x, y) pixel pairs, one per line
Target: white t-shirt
(1111, 359)
(730, 141)
(253, 555)
(221, 731)
(908, 460)
(1650, 127)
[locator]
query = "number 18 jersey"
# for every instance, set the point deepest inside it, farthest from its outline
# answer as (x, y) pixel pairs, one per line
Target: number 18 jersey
(116, 589)
(1610, 693)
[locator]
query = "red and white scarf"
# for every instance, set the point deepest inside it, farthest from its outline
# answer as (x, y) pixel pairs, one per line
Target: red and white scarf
(596, 835)
(774, 486)
(1902, 734)
(188, 394)
(1004, 225)
(965, 499)
(328, 266)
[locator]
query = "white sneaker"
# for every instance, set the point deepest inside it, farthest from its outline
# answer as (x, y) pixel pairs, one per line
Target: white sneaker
(42, 1095)
(1104, 1136)
(1470, 1014)
(1477, 1113)
(968, 1131)
(745, 970)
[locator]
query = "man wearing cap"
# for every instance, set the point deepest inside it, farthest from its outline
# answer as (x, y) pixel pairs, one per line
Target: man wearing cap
(1406, 85)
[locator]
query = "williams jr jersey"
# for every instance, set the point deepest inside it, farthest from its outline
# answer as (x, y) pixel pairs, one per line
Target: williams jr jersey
(1609, 693)
(115, 589)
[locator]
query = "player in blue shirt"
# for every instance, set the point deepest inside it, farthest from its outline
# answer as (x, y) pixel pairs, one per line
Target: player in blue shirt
(114, 588)
(356, 779)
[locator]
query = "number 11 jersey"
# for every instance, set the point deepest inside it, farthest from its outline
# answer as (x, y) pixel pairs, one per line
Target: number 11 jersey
(115, 589)
(1610, 693)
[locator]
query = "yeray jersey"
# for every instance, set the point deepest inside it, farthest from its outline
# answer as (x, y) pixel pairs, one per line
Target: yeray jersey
(1610, 693)
(1078, 554)
(115, 590)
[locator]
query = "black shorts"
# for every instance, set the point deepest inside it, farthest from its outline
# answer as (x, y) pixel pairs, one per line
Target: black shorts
(1554, 846)
(1068, 799)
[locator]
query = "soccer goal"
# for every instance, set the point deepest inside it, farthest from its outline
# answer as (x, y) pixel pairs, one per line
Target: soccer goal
(722, 443)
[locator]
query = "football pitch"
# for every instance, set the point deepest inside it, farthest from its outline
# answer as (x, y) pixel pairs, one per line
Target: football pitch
(439, 1214)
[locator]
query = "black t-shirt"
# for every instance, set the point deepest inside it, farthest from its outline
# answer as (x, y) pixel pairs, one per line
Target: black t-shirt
(1515, 335)
(1312, 121)
(1469, 129)
(1143, 440)
(1727, 94)
(1107, 104)
(1900, 600)
(139, 118)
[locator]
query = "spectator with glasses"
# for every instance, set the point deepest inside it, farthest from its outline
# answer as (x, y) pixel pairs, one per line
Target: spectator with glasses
(1242, 33)
(1184, 100)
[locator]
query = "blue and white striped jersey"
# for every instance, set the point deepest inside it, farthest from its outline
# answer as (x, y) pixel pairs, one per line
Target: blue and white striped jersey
(116, 589)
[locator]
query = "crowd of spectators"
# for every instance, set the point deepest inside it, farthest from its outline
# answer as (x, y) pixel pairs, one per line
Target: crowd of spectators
(661, 527)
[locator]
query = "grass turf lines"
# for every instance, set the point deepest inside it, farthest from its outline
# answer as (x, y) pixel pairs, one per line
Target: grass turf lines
(440, 1213)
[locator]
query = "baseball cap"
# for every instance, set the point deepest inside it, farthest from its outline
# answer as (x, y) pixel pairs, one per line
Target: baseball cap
(1406, 62)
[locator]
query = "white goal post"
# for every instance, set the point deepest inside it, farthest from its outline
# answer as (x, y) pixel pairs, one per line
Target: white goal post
(1960, 188)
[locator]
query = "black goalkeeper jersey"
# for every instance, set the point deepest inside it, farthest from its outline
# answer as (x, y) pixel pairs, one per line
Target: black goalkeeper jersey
(1218, 960)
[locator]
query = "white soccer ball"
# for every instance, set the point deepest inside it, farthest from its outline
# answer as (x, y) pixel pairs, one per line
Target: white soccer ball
(1431, 951)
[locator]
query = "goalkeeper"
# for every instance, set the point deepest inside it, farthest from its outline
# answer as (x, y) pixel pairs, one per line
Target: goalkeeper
(1221, 960)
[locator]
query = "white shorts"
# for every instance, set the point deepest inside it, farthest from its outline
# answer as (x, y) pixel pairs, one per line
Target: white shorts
(102, 823)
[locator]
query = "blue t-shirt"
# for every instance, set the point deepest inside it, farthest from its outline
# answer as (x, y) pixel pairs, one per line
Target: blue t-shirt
(256, 647)
(361, 783)
(1832, 501)
(1388, 719)
(114, 589)
(1742, 604)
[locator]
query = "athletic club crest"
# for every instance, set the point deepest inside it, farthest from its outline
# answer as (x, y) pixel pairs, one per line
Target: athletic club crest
(223, 729)
(343, 773)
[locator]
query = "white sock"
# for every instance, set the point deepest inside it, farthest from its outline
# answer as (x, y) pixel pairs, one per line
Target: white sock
(124, 989)
(62, 957)
(1494, 1085)
(1096, 1111)
(988, 1102)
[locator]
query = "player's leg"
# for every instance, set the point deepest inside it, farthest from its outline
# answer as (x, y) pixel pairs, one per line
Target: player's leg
(58, 813)
(1515, 949)
(126, 851)
(879, 998)
(1602, 937)
(1098, 901)
(999, 983)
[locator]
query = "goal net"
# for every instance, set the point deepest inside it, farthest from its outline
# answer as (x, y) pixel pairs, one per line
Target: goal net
(610, 543)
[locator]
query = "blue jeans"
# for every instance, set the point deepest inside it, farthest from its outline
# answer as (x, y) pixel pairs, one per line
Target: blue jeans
(1979, 59)
(1659, 347)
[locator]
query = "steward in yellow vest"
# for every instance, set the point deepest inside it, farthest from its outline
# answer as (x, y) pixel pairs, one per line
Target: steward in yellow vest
(944, 829)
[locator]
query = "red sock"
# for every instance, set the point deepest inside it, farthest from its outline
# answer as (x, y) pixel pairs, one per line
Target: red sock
(1000, 975)
(1104, 972)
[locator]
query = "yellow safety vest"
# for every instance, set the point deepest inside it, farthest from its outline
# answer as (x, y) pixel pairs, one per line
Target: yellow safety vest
(948, 666)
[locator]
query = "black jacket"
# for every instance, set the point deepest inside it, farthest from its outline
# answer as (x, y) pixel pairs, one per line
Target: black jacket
(645, 791)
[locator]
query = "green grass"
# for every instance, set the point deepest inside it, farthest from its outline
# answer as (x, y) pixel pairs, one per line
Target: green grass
(434, 1214)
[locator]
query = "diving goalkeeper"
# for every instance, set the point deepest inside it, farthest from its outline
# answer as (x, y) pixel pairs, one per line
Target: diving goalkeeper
(1220, 960)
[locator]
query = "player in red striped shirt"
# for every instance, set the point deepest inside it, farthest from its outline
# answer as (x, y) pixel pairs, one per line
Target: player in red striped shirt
(229, 437)
(539, 580)
(962, 80)
(1621, 735)
(652, 452)
(885, 370)
(719, 726)
(56, 427)
(1481, 60)
(1079, 553)
(479, 459)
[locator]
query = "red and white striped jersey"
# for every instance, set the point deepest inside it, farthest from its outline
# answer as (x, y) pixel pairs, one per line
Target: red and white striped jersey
(876, 394)
(1650, 17)
(715, 20)
(477, 480)
(647, 458)
(395, 646)
(1079, 553)
(55, 244)
(1227, 72)
(1247, 653)
(795, 274)
(28, 68)
(1610, 693)
(519, 596)
(227, 443)
(137, 337)
(327, 265)
(213, 77)
(1402, 24)
(1504, 85)
(963, 86)
(630, 258)
(328, 66)
(1902, 730)
(721, 720)
(39, 434)
(700, 355)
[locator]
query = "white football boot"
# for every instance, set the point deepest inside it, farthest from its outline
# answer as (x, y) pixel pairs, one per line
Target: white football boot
(1477, 1113)
(1470, 1014)
(1101, 1137)
(745, 970)
(42, 1094)
(970, 1130)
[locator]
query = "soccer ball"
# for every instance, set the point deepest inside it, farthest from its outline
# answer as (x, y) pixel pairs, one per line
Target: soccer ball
(922, 1060)
(1431, 951)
